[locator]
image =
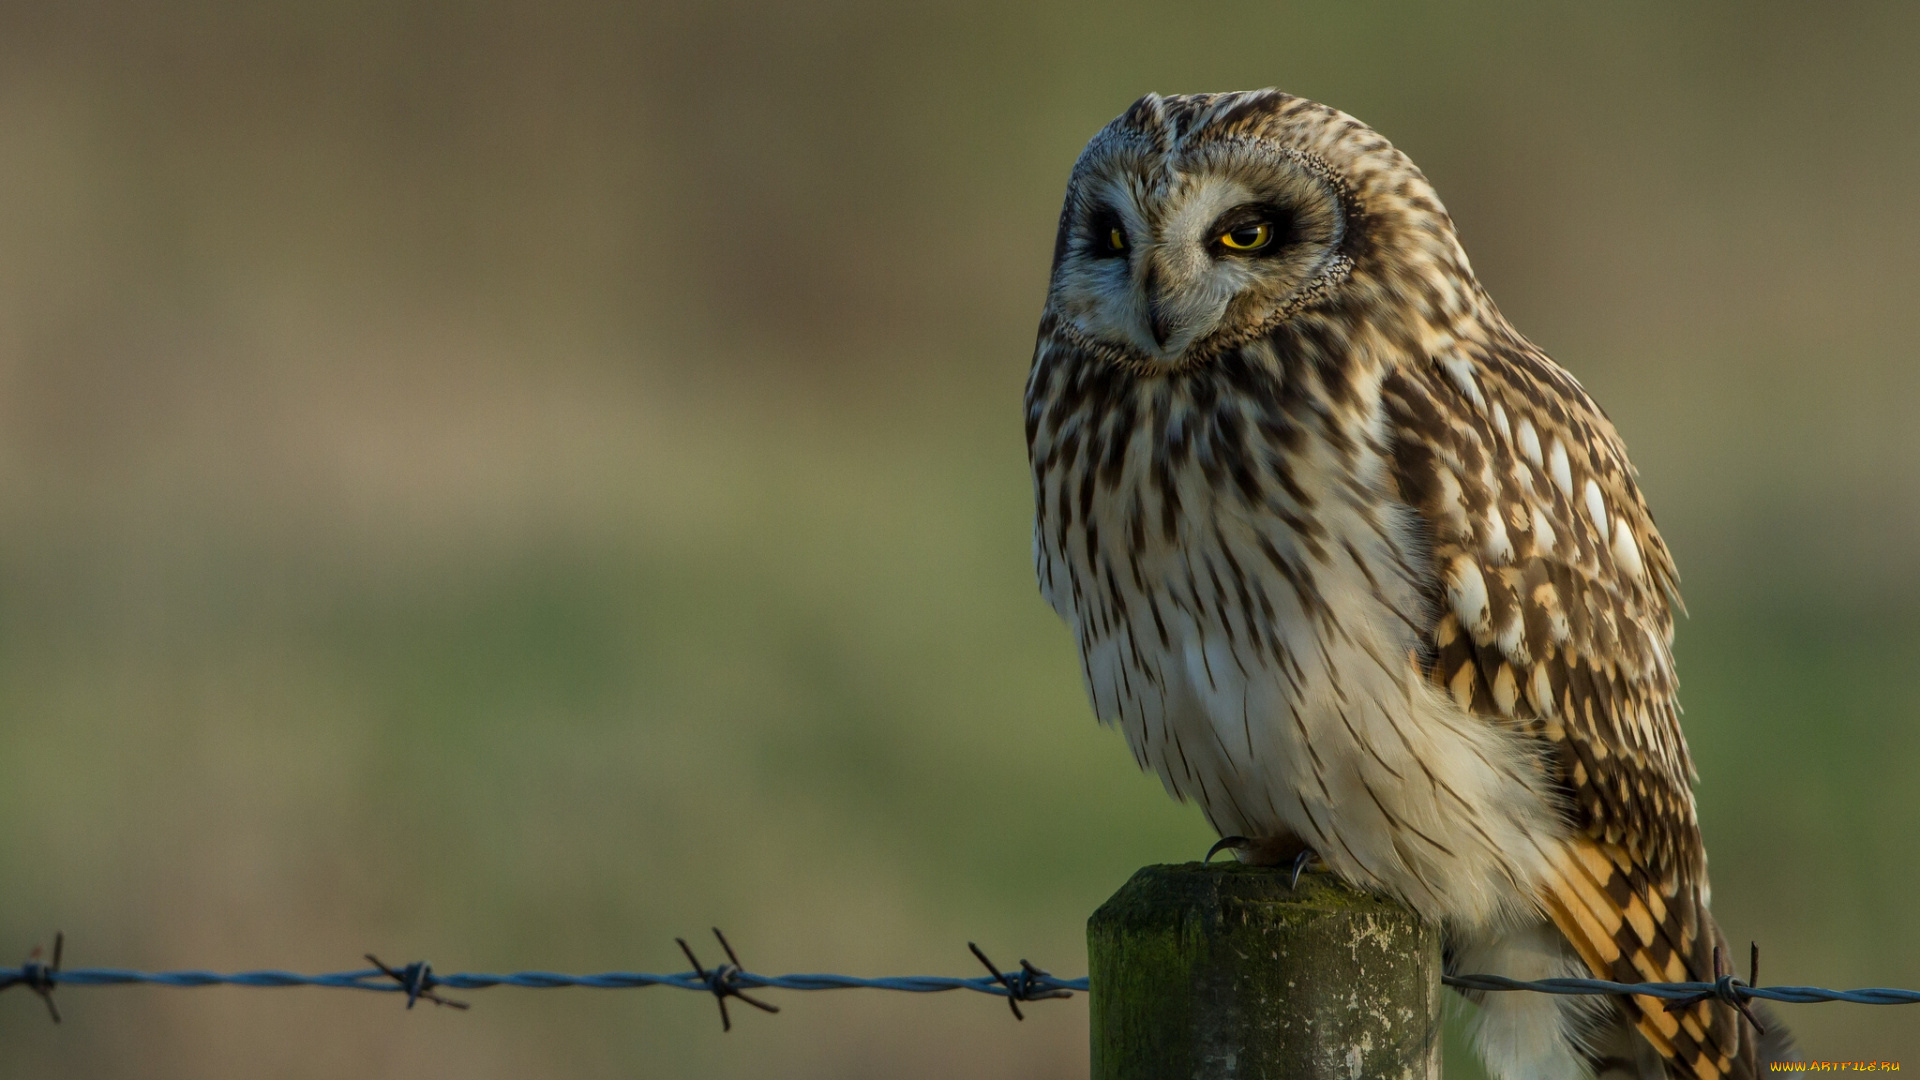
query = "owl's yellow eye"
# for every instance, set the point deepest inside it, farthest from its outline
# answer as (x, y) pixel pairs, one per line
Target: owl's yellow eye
(1246, 237)
(1106, 236)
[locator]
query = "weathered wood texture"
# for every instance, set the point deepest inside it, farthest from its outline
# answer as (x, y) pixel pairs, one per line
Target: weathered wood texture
(1219, 972)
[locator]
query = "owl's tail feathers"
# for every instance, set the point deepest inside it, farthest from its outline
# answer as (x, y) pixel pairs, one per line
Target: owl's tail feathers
(1628, 927)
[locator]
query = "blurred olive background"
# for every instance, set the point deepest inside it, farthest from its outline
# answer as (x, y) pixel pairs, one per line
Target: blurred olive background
(513, 484)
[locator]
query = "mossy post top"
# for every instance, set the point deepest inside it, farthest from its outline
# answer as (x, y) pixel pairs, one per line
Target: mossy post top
(1228, 971)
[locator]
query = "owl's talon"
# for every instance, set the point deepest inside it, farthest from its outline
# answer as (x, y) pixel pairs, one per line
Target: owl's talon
(1300, 862)
(1237, 843)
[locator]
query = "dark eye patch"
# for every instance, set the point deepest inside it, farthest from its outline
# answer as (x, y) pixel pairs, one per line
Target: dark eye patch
(1106, 235)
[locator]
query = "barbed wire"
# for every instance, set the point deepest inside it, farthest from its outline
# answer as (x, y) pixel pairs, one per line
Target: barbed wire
(1687, 992)
(1725, 987)
(419, 982)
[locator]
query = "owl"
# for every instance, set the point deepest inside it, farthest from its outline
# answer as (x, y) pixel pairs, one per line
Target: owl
(1365, 574)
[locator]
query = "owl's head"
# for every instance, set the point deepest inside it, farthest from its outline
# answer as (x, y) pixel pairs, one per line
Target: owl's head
(1197, 222)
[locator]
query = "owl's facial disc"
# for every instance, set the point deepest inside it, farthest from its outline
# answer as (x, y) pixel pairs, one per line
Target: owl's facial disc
(1158, 261)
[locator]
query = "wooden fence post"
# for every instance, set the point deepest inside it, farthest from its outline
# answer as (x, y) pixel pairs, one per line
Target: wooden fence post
(1219, 972)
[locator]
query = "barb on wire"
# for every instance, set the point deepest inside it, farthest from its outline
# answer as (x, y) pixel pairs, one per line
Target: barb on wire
(724, 981)
(1028, 984)
(418, 981)
(1727, 988)
(38, 977)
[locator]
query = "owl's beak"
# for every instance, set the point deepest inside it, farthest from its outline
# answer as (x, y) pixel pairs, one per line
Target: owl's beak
(1159, 319)
(1160, 323)
(1177, 305)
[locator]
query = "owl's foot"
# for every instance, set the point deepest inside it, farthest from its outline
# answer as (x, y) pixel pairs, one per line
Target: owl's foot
(1268, 851)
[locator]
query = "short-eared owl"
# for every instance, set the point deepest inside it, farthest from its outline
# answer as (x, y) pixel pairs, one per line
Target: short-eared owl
(1362, 571)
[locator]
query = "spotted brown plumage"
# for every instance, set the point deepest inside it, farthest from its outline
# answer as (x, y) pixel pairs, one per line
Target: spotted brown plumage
(1357, 568)
(1555, 613)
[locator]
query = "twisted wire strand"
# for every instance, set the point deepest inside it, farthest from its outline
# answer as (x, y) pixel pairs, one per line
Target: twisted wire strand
(375, 979)
(1028, 983)
(419, 982)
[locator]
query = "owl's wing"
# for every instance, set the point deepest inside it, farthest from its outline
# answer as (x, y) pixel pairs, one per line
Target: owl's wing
(1553, 613)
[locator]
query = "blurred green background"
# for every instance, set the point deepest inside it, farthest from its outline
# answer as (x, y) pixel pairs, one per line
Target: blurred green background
(512, 484)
